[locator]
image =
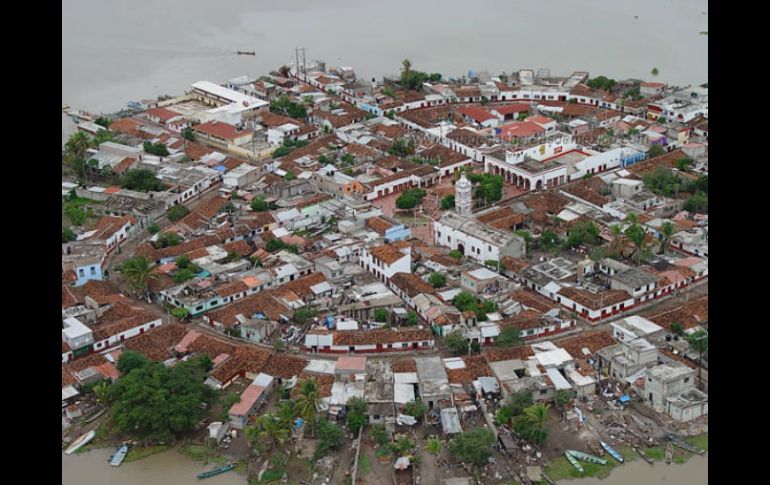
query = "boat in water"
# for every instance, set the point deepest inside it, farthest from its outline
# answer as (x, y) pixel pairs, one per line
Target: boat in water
(586, 457)
(80, 442)
(135, 105)
(611, 451)
(669, 452)
(216, 471)
(120, 454)
(574, 462)
(247, 53)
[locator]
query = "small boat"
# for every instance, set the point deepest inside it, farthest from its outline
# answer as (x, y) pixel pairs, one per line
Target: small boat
(686, 446)
(644, 456)
(611, 451)
(80, 442)
(573, 462)
(135, 105)
(586, 457)
(65, 107)
(216, 471)
(120, 454)
(669, 453)
(247, 53)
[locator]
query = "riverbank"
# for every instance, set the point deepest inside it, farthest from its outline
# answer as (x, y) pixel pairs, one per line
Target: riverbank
(561, 470)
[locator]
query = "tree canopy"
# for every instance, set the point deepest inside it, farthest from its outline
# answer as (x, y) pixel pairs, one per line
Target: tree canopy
(259, 204)
(448, 202)
(158, 149)
(437, 280)
(177, 212)
(158, 402)
(473, 446)
(410, 198)
(286, 107)
(509, 336)
(141, 180)
(456, 343)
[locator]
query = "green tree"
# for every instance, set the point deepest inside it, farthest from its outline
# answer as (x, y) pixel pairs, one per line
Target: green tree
(666, 233)
(698, 203)
(411, 319)
(177, 212)
(159, 402)
(548, 240)
(289, 176)
(137, 272)
(153, 228)
(636, 234)
(168, 239)
(455, 254)
(268, 431)
(402, 147)
(601, 82)
(654, 71)
(356, 417)
(465, 301)
(531, 425)
(130, 360)
(699, 341)
(655, 150)
(390, 114)
(141, 180)
(509, 337)
(102, 121)
(456, 343)
(158, 149)
(188, 134)
(437, 280)
(519, 401)
(473, 446)
(584, 232)
(77, 144)
(562, 398)
(308, 400)
(416, 408)
(302, 315)
(284, 106)
(380, 434)
(75, 213)
(484, 101)
(676, 328)
(618, 239)
(259, 204)
(67, 235)
(180, 313)
(182, 275)
(274, 245)
(329, 438)
(684, 164)
(101, 392)
(448, 202)
(381, 315)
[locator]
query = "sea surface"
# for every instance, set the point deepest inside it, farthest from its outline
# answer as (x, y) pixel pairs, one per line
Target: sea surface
(115, 51)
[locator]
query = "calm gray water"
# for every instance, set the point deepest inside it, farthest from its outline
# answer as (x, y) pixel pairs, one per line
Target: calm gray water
(115, 51)
(167, 468)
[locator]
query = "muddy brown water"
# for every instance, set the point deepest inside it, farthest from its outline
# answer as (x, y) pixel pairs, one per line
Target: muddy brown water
(692, 472)
(167, 468)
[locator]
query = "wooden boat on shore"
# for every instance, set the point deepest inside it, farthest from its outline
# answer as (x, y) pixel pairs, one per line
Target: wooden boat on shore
(611, 451)
(644, 456)
(120, 454)
(586, 457)
(574, 462)
(92, 418)
(687, 446)
(80, 442)
(216, 471)
(669, 453)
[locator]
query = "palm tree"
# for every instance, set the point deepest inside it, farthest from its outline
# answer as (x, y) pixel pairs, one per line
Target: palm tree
(137, 272)
(77, 144)
(269, 431)
(407, 67)
(618, 238)
(286, 413)
(100, 392)
(636, 234)
(537, 415)
(667, 230)
(307, 402)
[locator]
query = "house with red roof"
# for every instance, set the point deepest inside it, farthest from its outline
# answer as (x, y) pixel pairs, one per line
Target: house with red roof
(222, 135)
(478, 116)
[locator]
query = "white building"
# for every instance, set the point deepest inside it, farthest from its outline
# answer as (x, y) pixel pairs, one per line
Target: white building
(475, 239)
(386, 260)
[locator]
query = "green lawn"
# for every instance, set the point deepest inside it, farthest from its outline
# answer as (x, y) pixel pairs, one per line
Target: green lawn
(561, 469)
(138, 452)
(701, 441)
(364, 464)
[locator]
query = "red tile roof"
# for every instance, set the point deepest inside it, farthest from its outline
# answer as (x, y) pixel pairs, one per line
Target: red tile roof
(220, 130)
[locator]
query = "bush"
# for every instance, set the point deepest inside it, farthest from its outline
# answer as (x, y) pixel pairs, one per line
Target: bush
(329, 438)
(179, 313)
(259, 204)
(381, 315)
(158, 149)
(177, 212)
(448, 202)
(141, 180)
(167, 239)
(456, 343)
(380, 434)
(67, 235)
(437, 280)
(153, 228)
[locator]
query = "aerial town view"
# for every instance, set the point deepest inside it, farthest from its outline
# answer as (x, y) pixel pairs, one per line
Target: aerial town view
(303, 274)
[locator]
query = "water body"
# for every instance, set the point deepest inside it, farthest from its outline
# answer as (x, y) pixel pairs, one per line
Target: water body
(114, 51)
(167, 468)
(693, 472)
